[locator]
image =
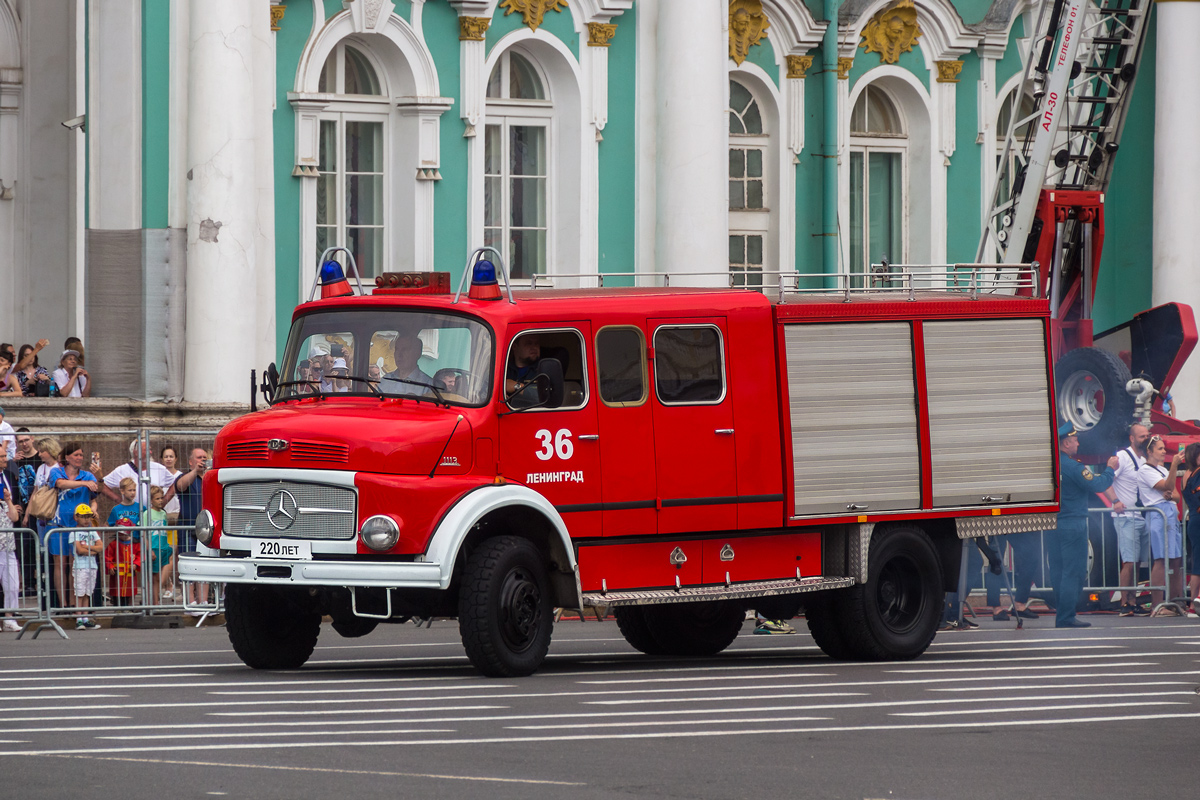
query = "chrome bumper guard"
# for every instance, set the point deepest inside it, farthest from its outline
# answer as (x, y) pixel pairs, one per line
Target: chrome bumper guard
(395, 575)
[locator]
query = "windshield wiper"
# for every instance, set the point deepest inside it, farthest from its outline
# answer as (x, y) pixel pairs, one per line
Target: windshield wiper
(315, 384)
(440, 399)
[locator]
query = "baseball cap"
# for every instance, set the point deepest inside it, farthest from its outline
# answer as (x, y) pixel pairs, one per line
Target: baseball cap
(84, 510)
(124, 522)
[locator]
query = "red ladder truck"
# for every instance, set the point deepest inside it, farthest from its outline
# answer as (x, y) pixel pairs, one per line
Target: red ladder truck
(676, 455)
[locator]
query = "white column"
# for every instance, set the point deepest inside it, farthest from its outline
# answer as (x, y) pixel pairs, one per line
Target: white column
(691, 174)
(264, 152)
(1176, 176)
(222, 302)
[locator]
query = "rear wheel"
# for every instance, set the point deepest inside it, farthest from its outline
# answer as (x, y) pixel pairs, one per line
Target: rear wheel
(504, 613)
(694, 629)
(820, 611)
(895, 614)
(631, 621)
(269, 627)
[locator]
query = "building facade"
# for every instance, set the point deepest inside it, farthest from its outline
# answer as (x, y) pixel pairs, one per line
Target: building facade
(170, 172)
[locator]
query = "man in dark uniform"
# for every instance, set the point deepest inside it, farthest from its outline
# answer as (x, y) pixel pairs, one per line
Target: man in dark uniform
(1069, 542)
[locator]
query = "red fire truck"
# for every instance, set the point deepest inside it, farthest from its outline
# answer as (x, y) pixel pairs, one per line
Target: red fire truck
(677, 455)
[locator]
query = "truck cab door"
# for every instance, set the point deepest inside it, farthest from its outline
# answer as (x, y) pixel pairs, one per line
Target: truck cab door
(693, 426)
(555, 451)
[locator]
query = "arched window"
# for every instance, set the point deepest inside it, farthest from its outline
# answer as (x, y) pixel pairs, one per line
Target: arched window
(878, 184)
(351, 190)
(516, 160)
(749, 211)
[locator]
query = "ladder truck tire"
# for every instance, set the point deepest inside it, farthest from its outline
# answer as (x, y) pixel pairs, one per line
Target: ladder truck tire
(270, 627)
(631, 621)
(820, 611)
(695, 629)
(1090, 390)
(895, 614)
(353, 627)
(505, 616)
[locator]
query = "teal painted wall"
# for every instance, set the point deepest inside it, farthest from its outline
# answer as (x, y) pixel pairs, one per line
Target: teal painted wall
(289, 44)
(453, 242)
(963, 178)
(809, 173)
(156, 92)
(556, 23)
(618, 153)
(1123, 287)
(912, 61)
(763, 55)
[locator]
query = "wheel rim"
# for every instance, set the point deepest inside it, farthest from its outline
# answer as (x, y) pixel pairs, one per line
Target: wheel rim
(1081, 400)
(900, 597)
(520, 609)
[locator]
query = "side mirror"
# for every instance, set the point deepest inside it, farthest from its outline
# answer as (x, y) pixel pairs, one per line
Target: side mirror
(544, 391)
(270, 382)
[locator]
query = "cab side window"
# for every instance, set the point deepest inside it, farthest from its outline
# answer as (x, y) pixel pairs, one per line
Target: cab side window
(689, 365)
(564, 345)
(621, 366)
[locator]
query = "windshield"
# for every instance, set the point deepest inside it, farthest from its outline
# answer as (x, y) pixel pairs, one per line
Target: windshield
(393, 352)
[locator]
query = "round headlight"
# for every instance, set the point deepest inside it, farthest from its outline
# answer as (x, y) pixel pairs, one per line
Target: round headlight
(380, 533)
(204, 527)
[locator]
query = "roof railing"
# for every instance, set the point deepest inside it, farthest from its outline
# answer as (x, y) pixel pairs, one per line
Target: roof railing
(972, 280)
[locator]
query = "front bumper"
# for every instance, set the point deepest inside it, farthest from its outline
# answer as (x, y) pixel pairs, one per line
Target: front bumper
(315, 573)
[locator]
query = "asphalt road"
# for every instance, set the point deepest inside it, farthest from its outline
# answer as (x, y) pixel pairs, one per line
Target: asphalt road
(1103, 713)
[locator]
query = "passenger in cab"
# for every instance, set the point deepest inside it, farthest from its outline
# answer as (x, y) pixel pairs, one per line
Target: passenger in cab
(522, 366)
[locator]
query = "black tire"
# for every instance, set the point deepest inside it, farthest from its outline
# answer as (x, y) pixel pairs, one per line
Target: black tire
(895, 614)
(353, 627)
(505, 615)
(269, 627)
(1089, 387)
(820, 611)
(781, 606)
(694, 629)
(631, 621)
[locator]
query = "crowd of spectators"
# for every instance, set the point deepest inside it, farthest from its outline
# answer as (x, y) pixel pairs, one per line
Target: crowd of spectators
(22, 374)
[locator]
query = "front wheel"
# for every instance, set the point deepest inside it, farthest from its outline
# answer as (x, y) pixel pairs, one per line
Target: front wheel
(895, 614)
(504, 613)
(270, 628)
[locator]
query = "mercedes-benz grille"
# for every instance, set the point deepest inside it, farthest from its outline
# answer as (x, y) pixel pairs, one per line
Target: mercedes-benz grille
(289, 509)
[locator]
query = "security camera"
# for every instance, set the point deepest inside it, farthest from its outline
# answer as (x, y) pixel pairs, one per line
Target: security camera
(75, 123)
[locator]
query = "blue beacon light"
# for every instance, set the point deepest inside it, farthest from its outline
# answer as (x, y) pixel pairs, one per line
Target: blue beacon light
(483, 281)
(333, 280)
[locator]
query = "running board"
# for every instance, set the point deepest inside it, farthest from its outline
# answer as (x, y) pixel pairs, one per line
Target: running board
(736, 591)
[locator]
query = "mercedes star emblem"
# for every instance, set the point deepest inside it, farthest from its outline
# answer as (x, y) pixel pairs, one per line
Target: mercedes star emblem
(282, 510)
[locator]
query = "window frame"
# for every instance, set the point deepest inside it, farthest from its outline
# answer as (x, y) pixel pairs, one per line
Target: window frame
(866, 143)
(721, 356)
(587, 394)
(645, 370)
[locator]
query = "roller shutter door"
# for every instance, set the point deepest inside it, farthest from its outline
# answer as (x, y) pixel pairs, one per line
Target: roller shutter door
(989, 412)
(853, 417)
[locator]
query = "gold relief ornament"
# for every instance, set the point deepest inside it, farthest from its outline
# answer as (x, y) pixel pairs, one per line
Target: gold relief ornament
(798, 66)
(600, 34)
(747, 25)
(277, 16)
(894, 30)
(843, 68)
(532, 11)
(472, 29)
(948, 71)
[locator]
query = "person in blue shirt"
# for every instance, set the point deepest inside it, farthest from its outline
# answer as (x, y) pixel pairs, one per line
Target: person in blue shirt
(75, 486)
(1068, 543)
(129, 508)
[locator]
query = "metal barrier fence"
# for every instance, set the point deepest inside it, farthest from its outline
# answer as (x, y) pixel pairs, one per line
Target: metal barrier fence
(1099, 560)
(44, 554)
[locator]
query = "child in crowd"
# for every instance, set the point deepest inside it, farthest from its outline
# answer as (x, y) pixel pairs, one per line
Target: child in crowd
(87, 545)
(124, 561)
(160, 549)
(128, 508)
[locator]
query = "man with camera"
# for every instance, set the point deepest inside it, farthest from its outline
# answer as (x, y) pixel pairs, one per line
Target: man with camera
(1133, 538)
(188, 489)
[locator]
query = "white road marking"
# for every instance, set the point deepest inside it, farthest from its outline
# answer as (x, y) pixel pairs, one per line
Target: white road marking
(1139, 704)
(887, 703)
(244, 734)
(281, 768)
(1008, 686)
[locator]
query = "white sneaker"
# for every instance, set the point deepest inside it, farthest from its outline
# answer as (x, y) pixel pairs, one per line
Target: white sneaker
(11, 625)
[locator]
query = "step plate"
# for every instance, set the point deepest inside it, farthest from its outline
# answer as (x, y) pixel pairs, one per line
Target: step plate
(736, 591)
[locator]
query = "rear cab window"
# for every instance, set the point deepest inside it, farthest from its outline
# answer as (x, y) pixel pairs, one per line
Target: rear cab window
(689, 365)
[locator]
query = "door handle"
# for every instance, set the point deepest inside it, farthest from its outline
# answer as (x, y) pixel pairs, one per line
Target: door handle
(857, 506)
(724, 431)
(589, 437)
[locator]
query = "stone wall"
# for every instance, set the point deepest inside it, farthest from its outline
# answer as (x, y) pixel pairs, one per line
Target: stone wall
(115, 414)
